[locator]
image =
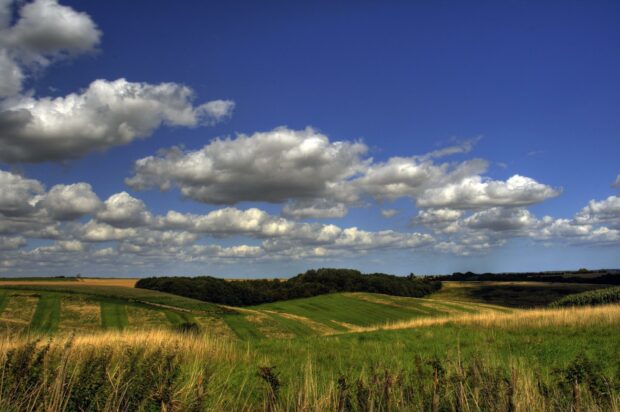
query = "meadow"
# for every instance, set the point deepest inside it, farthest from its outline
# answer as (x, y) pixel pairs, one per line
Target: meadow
(81, 347)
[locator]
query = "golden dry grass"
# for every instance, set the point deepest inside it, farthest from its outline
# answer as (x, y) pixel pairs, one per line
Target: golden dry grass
(187, 345)
(128, 283)
(141, 318)
(309, 390)
(18, 311)
(215, 327)
(79, 314)
(535, 318)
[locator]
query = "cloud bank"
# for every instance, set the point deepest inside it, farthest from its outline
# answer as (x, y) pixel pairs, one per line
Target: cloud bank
(103, 115)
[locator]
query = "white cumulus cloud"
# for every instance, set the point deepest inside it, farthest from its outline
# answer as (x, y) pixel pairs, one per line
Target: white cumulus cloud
(124, 210)
(273, 166)
(105, 115)
(475, 192)
(68, 202)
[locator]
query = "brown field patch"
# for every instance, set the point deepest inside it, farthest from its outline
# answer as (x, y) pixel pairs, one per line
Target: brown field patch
(79, 314)
(18, 311)
(144, 318)
(215, 327)
(268, 326)
(128, 283)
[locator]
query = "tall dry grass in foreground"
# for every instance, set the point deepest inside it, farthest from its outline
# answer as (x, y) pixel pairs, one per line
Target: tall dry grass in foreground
(164, 370)
(109, 371)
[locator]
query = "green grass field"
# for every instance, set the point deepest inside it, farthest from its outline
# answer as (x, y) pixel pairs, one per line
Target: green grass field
(124, 307)
(47, 314)
(341, 312)
(368, 351)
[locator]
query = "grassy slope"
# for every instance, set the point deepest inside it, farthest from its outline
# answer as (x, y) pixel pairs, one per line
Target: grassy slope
(542, 348)
(124, 293)
(534, 346)
(320, 315)
(339, 312)
(41, 307)
(311, 366)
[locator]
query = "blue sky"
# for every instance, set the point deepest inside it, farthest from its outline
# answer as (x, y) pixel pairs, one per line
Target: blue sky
(244, 139)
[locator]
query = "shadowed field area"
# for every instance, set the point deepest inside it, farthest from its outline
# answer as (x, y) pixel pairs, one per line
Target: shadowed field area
(511, 294)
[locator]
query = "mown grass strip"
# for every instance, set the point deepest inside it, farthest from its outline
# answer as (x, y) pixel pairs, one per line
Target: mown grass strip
(113, 315)
(3, 302)
(178, 318)
(344, 308)
(243, 328)
(296, 327)
(47, 314)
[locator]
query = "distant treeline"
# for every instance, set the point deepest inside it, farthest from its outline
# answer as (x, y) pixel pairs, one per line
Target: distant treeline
(604, 277)
(308, 284)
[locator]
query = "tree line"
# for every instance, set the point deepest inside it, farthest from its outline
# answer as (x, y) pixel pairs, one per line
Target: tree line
(601, 277)
(308, 284)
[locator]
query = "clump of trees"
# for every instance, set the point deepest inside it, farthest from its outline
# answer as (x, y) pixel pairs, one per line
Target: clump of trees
(308, 284)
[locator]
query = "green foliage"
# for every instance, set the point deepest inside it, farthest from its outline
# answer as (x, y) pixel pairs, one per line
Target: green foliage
(591, 298)
(310, 283)
(91, 385)
(149, 380)
(515, 295)
(602, 277)
(24, 368)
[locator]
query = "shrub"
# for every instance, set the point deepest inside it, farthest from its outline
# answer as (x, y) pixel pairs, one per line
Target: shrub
(590, 298)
